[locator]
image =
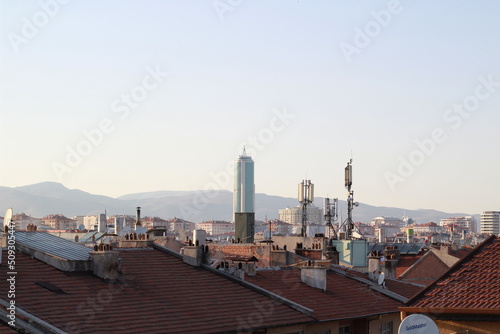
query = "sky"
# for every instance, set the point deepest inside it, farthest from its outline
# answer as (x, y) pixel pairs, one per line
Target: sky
(120, 97)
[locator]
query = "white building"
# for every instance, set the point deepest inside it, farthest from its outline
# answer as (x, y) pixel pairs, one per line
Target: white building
(490, 222)
(467, 223)
(22, 221)
(294, 215)
(216, 227)
(95, 222)
(427, 228)
(388, 221)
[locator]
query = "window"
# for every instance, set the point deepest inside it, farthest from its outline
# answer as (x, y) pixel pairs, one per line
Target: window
(385, 328)
(345, 329)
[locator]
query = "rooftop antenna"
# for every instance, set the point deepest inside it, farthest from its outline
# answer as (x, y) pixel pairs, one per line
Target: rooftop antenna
(305, 197)
(348, 224)
(331, 216)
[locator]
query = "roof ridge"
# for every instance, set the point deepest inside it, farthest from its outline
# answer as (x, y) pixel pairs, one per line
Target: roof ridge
(372, 285)
(296, 306)
(421, 259)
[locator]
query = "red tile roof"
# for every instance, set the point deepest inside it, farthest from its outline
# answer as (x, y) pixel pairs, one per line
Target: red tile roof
(345, 297)
(472, 284)
(405, 262)
(404, 289)
(425, 270)
(6, 329)
(160, 293)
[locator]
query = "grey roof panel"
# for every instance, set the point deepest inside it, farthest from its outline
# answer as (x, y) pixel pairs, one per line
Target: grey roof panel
(88, 236)
(53, 245)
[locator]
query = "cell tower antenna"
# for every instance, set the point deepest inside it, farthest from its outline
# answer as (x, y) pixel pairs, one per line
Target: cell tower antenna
(305, 197)
(348, 224)
(331, 216)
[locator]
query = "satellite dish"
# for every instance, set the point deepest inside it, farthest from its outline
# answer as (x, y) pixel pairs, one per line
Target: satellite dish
(418, 323)
(8, 217)
(381, 279)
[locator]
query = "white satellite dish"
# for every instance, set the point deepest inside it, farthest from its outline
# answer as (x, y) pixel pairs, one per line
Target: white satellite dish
(381, 279)
(8, 217)
(418, 323)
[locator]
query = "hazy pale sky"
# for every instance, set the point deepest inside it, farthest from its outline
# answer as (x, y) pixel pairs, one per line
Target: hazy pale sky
(116, 97)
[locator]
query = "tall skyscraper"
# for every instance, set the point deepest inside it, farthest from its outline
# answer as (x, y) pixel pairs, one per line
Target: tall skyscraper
(244, 198)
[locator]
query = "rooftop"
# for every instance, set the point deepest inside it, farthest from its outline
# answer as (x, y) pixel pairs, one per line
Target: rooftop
(348, 294)
(157, 293)
(471, 285)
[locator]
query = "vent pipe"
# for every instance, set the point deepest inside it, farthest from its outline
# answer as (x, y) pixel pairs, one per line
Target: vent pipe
(138, 216)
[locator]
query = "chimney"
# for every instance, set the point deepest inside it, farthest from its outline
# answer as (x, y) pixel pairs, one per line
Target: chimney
(314, 276)
(199, 237)
(390, 268)
(195, 255)
(249, 268)
(332, 254)
(105, 262)
(374, 262)
(138, 216)
(381, 234)
(391, 254)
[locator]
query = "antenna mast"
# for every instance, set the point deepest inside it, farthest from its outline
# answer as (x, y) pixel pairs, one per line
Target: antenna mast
(306, 197)
(331, 216)
(348, 224)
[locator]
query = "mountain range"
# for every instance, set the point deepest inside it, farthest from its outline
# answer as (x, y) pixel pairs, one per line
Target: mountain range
(45, 198)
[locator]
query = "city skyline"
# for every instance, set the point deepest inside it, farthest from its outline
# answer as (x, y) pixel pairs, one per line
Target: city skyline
(162, 95)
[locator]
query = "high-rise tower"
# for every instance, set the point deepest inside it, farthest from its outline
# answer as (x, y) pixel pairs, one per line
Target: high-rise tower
(244, 198)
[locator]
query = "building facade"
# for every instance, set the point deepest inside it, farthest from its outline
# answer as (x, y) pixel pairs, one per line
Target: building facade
(244, 198)
(466, 223)
(59, 222)
(388, 221)
(294, 215)
(22, 221)
(217, 227)
(95, 222)
(490, 222)
(180, 226)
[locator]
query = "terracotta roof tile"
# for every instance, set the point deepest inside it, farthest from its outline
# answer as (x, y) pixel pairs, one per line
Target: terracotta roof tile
(345, 297)
(405, 262)
(404, 289)
(474, 282)
(6, 329)
(160, 294)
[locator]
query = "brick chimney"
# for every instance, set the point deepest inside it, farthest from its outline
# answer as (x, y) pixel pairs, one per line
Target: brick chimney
(332, 254)
(314, 276)
(391, 254)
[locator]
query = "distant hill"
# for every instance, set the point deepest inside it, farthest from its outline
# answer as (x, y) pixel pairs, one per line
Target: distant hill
(46, 198)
